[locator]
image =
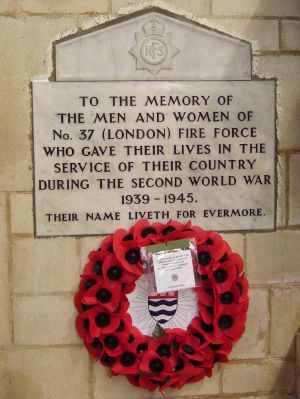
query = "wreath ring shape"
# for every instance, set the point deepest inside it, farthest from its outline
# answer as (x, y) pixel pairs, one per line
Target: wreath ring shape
(171, 357)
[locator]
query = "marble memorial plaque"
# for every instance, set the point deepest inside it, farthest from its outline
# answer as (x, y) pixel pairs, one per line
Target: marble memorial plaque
(108, 153)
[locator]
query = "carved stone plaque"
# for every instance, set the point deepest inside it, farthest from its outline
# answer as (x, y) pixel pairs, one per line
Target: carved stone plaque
(153, 117)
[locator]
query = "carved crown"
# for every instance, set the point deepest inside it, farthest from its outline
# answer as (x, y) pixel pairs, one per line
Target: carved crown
(153, 27)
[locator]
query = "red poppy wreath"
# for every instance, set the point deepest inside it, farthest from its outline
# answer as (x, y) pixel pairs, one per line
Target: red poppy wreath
(171, 357)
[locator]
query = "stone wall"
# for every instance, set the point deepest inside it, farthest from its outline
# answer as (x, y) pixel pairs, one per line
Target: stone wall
(40, 355)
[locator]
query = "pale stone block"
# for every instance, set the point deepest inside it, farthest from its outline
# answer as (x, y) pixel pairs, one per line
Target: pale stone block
(118, 387)
(267, 375)
(286, 69)
(21, 213)
(257, 7)
(281, 190)
(273, 257)
(199, 7)
(262, 34)
(45, 320)
(65, 6)
(236, 242)
(10, 6)
(44, 374)
(294, 200)
(26, 49)
(285, 320)
(4, 297)
(45, 265)
(290, 35)
(254, 342)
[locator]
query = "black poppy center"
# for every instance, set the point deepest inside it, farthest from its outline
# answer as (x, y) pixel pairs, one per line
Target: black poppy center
(102, 319)
(163, 350)
(207, 327)
(111, 341)
(86, 324)
(209, 241)
(225, 322)
(156, 365)
(89, 283)
(180, 365)
(188, 349)
(240, 287)
(114, 273)
(97, 344)
(97, 268)
(129, 237)
(127, 359)
(195, 363)
(224, 257)
(227, 298)
(210, 309)
(141, 348)
(200, 337)
(86, 307)
(147, 231)
(132, 256)
(214, 347)
(110, 249)
(220, 275)
(131, 338)
(108, 359)
(204, 258)
(103, 295)
(121, 326)
(167, 230)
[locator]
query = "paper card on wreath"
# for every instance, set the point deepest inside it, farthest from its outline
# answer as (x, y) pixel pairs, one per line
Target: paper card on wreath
(170, 266)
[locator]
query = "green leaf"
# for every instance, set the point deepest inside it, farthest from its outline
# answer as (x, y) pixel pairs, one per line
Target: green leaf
(158, 331)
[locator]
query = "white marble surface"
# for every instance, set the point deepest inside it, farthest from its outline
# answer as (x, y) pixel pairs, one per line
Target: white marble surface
(120, 49)
(211, 202)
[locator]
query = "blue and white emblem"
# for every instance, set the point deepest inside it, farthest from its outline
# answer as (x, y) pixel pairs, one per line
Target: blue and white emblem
(163, 307)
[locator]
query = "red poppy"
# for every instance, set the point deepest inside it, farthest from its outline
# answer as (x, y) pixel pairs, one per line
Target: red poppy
(207, 331)
(104, 295)
(107, 246)
(114, 272)
(144, 233)
(148, 382)
(151, 362)
(165, 347)
(83, 326)
(212, 250)
(223, 275)
(114, 342)
(168, 232)
(191, 350)
(221, 351)
(102, 321)
(122, 235)
(230, 323)
(95, 348)
(125, 321)
(94, 266)
(128, 254)
(238, 262)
